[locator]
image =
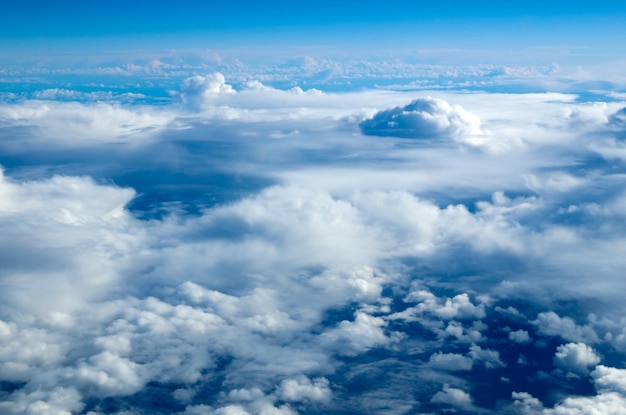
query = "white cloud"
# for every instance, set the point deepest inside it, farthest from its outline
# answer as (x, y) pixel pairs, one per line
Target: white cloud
(459, 307)
(609, 379)
(611, 398)
(452, 396)
(576, 357)
(110, 375)
(57, 401)
(302, 389)
(361, 334)
(424, 118)
(199, 91)
(450, 361)
(605, 404)
(275, 294)
(526, 404)
(83, 125)
(490, 358)
(520, 336)
(551, 324)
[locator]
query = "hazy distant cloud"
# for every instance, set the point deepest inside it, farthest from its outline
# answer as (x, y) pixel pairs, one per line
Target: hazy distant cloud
(423, 118)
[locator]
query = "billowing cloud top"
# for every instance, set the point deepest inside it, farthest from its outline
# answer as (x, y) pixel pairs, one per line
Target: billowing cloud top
(423, 118)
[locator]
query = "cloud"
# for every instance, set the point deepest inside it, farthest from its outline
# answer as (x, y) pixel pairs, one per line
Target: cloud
(452, 396)
(552, 324)
(609, 379)
(520, 336)
(254, 250)
(618, 119)
(611, 397)
(62, 214)
(302, 389)
(576, 357)
(200, 90)
(450, 361)
(424, 118)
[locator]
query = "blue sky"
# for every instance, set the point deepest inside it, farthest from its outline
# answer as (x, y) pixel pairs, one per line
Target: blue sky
(488, 24)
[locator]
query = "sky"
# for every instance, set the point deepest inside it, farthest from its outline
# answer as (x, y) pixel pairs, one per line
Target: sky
(270, 208)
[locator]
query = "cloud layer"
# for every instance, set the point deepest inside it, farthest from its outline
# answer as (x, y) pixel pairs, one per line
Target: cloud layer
(255, 250)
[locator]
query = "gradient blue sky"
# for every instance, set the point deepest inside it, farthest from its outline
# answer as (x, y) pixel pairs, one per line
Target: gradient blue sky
(75, 25)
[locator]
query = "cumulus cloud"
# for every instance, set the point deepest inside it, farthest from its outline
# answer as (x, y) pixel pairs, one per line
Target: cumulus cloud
(423, 118)
(520, 336)
(199, 90)
(450, 361)
(452, 396)
(302, 388)
(552, 324)
(576, 357)
(611, 397)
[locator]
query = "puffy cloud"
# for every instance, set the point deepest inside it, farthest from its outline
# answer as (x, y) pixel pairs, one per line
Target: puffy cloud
(526, 404)
(58, 215)
(605, 403)
(57, 401)
(459, 307)
(364, 333)
(452, 396)
(450, 361)
(551, 324)
(110, 375)
(609, 379)
(490, 358)
(200, 90)
(520, 336)
(611, 398)
(576, 357)
(302, 388)
(424, 118)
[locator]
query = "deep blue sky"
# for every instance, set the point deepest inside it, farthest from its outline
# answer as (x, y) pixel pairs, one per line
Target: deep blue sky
(487, 24)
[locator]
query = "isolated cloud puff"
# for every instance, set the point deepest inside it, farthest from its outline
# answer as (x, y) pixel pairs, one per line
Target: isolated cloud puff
(520, 336)
(422, 119)
(576, 357)
(452, 396)
(197, 90)
(450, 361)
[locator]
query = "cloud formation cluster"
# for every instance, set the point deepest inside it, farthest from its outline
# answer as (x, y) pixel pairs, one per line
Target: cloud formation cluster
(266, 251)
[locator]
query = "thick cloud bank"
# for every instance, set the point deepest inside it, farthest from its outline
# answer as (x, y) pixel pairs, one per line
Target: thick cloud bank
(252, 250)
